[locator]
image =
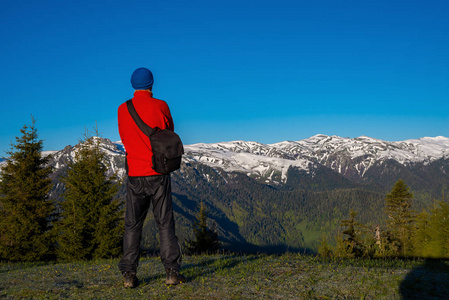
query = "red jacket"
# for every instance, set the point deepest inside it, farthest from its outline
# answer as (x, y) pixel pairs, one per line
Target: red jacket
(155, 113)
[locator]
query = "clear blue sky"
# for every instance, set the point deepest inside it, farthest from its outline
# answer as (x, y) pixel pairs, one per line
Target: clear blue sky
(263, 71)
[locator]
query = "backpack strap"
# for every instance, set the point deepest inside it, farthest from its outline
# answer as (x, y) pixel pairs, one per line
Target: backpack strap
(140, 123)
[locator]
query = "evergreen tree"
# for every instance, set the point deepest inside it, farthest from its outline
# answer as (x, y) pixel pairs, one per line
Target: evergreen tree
(439, 223)
(422, 236)
(431, 237)
(206, 238)
(350, 243)
(26, 212)
(324, 249)
(400, 216)
(91, 224)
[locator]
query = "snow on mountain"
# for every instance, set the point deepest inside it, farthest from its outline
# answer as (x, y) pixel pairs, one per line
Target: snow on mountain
(270, 162)
(429, 148)
(252, 158)
(342, 155)
(115, 156)
(359, 154)
(50, 152)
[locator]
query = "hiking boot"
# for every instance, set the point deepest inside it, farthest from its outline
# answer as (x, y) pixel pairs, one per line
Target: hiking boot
(173, 277)
(131, 280)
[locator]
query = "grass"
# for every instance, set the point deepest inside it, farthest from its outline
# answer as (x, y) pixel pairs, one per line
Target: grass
(287, 276)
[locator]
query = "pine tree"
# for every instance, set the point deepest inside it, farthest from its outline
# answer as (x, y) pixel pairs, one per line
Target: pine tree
(91, 222)
(324, 249)
(350, 243)
(442, 220)
(431, 238)
(400, 216)
(422, 236)
(206, 239)
(26, 213)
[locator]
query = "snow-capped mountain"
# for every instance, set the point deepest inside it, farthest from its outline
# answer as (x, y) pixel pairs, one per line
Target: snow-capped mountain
(270, 163)
(254, 159)
(405, 152)
(342, 155)
(115, 155)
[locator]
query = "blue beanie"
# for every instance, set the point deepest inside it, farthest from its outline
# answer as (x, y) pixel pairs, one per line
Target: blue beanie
(142, 79)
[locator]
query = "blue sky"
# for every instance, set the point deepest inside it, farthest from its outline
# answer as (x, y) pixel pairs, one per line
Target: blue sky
(263, 71)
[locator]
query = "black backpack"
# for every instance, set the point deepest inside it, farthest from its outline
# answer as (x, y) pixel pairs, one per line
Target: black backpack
(166, 145)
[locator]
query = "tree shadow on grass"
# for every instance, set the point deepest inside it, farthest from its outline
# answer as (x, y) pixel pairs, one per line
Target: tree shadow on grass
(206, 267)
(428, 281)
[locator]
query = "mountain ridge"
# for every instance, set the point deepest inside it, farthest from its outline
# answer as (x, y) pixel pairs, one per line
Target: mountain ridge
(342, 155)
(285, 195)
(270, 163)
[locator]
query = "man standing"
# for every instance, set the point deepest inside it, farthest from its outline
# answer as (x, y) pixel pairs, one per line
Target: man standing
(145, 185)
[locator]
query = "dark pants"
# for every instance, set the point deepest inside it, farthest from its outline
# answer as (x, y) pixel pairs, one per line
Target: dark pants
(140, 193)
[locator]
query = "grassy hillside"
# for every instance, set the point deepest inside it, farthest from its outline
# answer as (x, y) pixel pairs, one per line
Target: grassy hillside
(289, 276)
